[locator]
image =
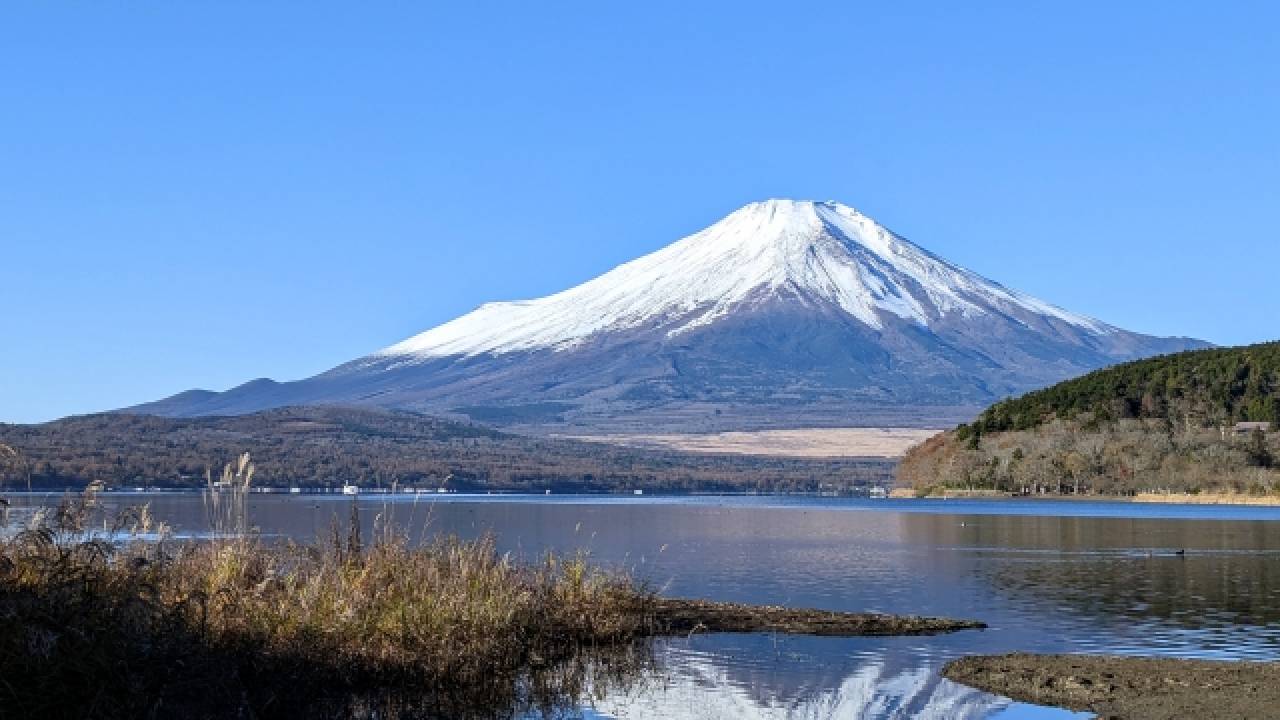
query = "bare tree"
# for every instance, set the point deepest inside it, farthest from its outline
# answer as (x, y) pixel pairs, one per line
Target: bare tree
(12, 462)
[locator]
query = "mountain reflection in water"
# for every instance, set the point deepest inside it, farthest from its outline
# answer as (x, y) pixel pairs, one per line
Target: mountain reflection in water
(751, 677)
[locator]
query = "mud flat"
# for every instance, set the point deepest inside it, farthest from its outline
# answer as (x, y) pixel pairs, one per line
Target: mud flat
(1132, 688)
(680, 617)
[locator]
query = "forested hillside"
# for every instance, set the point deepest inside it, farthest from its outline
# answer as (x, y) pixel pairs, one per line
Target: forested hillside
(1169, 423)
(321, 446)
(1207, 387)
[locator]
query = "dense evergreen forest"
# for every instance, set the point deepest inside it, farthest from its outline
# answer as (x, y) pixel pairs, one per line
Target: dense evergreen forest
(1170, 423)
(328, 446)
(1207, 387)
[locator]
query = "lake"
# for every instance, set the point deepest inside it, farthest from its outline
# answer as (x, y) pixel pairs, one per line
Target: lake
(1047, 576)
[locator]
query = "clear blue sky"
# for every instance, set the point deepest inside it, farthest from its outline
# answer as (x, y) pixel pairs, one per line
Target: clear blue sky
(197, 194)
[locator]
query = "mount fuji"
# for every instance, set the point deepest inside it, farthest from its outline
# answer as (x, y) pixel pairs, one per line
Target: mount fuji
(783, 313)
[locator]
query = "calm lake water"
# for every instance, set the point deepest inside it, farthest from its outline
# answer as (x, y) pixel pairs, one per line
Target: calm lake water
(1046, 577)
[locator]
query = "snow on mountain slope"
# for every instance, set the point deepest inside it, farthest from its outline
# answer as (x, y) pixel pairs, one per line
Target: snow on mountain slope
(702, 686)
(783, 314)
(820, 252)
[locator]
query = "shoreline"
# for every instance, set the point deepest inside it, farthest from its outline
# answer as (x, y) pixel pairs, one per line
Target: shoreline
(1134, 688)
(1207, 499)
(1204, 498)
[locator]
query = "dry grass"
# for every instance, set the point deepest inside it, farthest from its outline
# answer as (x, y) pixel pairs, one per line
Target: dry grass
(119, 620)
(1207, 498)
(800, 442)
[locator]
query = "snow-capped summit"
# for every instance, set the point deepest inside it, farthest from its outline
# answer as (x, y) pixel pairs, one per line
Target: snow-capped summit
(817, 252)
(785, 312)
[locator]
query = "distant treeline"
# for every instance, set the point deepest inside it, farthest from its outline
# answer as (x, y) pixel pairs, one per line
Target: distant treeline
(1164, 424)
(329, 446)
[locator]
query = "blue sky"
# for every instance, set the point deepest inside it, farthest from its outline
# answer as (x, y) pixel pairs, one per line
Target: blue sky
(196, 194)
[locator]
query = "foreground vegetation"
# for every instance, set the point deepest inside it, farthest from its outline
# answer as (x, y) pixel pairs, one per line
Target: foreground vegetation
(1161, 425)
(111, 617)
(125, 622)
(329, 446)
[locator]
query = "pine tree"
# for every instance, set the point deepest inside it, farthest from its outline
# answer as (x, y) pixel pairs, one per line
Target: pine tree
(1259, 453)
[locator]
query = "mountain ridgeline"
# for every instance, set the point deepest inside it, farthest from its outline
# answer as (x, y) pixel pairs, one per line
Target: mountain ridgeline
(782, 314)
(1197, 421)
